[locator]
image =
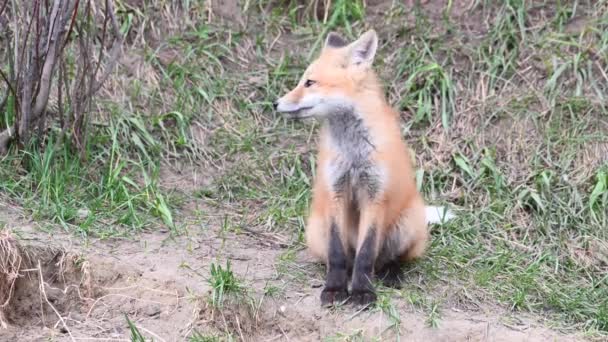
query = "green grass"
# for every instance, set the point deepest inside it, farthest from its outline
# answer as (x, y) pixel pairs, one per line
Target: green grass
(198, 337)
(354, 336)
(136, 335)
(505, 109)
(223, 284)
(385, 304)
(112, 186)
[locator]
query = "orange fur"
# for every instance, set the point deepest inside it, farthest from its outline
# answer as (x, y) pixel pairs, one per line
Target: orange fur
(401, 207)
(394, 215)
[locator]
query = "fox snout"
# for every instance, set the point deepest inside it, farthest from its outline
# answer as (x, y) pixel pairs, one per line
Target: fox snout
(293, 109)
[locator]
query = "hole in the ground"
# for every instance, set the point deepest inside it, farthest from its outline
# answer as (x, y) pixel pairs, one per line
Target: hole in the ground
(41, 285)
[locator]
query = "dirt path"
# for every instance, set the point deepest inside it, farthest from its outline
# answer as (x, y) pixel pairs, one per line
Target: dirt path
(161, 284)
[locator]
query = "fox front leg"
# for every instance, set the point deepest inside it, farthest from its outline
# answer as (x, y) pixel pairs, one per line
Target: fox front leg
(363, 292)
(336, 282)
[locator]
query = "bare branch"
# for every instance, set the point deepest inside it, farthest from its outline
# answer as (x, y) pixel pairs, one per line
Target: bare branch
(25, 40)
(4, 99)
(114, 54)
(103, 39)
(3, 6)
(5, 138)
(9, 85)
(41, 35)
(74, 13)
(7, 135)
(26, 104)
(49, 64)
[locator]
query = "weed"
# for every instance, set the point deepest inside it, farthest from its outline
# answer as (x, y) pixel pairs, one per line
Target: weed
(198, 337)
(420, 299)
(433, 317)
(223, 283)
(136, 335)
(343, 13)
(355, 336)
(59, 186)
(272, 290)
(384, 303)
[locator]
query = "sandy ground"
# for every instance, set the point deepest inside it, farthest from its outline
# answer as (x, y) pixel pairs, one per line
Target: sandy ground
(160, 282)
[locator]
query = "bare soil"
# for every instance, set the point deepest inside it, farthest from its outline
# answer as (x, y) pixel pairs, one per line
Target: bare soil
(160, 283)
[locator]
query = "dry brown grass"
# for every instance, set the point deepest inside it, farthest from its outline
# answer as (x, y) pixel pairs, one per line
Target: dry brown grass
(11, 262)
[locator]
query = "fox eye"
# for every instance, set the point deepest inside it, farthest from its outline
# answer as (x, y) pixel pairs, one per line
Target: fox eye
(308, 83)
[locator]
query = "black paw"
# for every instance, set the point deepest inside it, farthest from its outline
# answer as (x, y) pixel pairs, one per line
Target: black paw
(363, 297)
(333, 296)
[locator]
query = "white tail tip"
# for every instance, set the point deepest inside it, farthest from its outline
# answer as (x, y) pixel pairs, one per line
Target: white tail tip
(438, 214)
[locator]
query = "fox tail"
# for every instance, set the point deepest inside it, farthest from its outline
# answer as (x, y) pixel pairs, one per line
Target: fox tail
(438, 214)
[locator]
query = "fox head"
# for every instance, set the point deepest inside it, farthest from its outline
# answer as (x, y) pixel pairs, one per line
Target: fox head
(332, 82)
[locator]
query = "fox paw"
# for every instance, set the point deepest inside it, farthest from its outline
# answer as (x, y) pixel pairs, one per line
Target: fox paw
(363, 297)
(333, 296)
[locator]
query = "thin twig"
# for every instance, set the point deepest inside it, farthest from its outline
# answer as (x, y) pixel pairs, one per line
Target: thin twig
(74, 13)
(103, 39)
(3, 6)
(122, 296)
(4, 99)
(48, 68)
(238, 325)
(150, 332)
(114, 53)
(10, 86)
(46, 299)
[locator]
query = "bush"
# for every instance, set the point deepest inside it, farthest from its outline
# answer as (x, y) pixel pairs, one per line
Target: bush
(57, 56)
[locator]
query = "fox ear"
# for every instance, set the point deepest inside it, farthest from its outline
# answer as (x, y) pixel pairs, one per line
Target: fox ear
(334, 40)
(364, 49)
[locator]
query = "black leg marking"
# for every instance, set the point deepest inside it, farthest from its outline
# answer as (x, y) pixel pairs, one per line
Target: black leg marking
(390, 274)
(363, 290)
(336, 283)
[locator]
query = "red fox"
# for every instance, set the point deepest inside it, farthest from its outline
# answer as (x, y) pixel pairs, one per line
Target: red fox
(367, 217)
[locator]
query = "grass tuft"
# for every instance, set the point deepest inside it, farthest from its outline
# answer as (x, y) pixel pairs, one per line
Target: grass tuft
(223, 283)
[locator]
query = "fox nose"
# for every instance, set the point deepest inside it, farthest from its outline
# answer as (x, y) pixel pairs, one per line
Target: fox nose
(275, 105)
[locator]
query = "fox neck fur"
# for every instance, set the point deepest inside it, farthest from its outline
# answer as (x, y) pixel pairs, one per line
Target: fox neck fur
(351, 170)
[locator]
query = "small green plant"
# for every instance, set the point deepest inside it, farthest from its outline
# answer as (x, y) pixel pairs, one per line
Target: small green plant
(198, 337)
(223, 283)
(272, 290)
(424, 85)
(343, 13)
(433, 316)
(599, 195)
(501, 48)
(385, 304)
(136, 336)
(355, 336)
(428, 89)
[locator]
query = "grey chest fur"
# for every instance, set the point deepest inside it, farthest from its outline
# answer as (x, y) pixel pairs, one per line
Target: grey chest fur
(351, 173)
